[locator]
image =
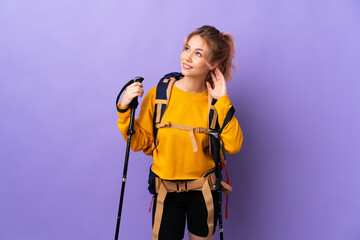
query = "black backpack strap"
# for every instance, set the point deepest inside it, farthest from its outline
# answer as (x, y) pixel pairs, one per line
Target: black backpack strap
(163, 92)
(228, 117)
(216, 131)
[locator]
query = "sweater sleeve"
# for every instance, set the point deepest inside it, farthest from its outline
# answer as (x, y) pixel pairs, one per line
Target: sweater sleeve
(231, 135)
(143, 125)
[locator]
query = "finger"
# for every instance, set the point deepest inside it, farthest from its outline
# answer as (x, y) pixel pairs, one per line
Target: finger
(213, 76)
(134, 95)
(131, 88)
(136, 89)
(218, 73)
(139, 93)
(135, 84)
(208, 85)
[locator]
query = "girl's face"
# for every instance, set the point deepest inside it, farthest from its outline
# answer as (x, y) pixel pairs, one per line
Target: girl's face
(195, 58)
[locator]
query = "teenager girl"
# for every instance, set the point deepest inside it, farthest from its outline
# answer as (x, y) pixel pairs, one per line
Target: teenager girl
(181, 161)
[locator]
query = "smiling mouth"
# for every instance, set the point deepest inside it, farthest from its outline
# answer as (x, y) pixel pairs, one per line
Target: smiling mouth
(185, 66)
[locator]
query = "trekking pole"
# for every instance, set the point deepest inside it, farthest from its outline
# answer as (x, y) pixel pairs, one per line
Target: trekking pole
(133, 105)
(215, 152)
(215, 148)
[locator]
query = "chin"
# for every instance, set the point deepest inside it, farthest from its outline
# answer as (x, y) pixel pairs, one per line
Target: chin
(185, 72)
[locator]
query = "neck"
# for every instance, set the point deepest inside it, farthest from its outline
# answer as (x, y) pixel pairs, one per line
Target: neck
(192, 85)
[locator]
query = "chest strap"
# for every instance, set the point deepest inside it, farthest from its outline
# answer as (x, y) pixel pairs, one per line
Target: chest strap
(192, 130)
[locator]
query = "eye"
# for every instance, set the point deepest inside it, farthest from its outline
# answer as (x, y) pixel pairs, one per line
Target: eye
(187, 49)
(198, 54)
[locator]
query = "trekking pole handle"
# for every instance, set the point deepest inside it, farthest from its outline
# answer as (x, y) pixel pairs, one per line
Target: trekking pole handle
(138, 79)
(134, 102)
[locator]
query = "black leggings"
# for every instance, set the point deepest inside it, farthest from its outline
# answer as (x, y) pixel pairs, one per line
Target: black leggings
(181, 207)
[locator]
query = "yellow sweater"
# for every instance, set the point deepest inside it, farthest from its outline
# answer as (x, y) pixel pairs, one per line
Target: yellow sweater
(174, 157)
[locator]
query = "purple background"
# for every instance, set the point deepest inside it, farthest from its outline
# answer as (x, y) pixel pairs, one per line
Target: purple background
(296, 94)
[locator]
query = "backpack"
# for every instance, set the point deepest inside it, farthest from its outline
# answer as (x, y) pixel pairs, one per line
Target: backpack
(163, 93)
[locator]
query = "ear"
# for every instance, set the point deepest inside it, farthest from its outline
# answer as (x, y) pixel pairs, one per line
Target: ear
(214, 66)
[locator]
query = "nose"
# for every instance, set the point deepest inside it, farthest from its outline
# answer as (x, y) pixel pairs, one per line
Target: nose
(188, 56)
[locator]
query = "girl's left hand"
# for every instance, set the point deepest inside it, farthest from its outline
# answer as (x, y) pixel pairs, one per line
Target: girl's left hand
(219, 83)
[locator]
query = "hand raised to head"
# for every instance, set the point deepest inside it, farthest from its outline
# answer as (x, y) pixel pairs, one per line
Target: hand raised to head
(219, 88)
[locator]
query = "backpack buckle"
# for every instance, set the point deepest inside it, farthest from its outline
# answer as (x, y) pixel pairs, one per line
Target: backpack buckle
(214, 133)
(181, 186)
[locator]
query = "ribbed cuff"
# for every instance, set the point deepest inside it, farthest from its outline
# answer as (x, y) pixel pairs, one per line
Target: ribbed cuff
(122, 109)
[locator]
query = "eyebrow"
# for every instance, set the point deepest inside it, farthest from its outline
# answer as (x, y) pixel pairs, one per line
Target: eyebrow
(199, 49)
